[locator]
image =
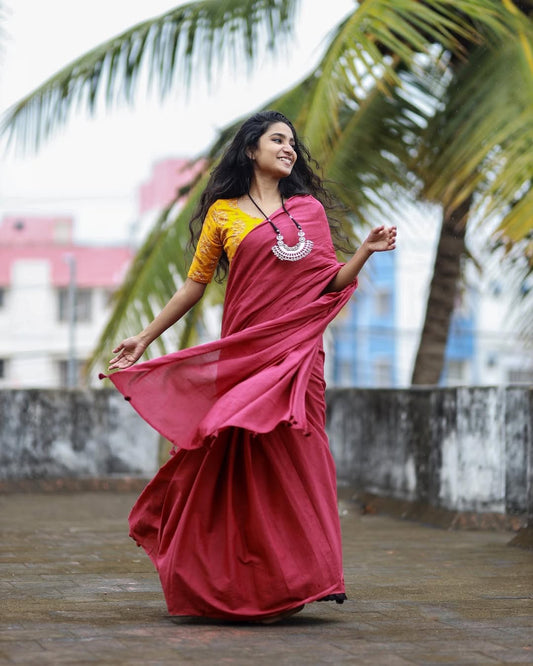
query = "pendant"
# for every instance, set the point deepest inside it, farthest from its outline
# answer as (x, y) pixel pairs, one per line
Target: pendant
(281, 250)
(292, 252)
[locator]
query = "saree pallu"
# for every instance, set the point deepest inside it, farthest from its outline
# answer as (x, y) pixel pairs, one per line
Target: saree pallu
(242, 521)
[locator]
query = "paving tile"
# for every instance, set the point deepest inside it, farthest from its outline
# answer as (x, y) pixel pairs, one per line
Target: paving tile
(75, 590)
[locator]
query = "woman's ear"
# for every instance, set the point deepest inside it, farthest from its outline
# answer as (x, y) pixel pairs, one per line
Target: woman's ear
(249, 154)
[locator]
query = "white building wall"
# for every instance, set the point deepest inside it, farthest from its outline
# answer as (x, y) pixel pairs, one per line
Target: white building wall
(500, 355)
(33, 342)
(417, 241)
(504, 356)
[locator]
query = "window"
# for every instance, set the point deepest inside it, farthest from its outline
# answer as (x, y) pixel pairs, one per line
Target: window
(84, 301)
(455, 372)
(383, 373)
(495, 288)
(520, 376)
(2, 368)
(62, 369)
(346, 377)
(525, 288)
(62, 305)
(83, 305)
(383, 303)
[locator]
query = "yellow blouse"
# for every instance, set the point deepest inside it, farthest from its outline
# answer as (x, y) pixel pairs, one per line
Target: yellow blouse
(224, 227)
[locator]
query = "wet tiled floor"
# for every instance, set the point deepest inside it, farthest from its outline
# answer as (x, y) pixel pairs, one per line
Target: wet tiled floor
(74, 589)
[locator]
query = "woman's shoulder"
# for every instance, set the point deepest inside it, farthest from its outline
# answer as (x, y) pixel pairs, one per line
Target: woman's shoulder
(223, 204)
(220, 209)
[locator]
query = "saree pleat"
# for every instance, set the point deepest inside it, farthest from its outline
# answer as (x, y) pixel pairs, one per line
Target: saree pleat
(242, 521)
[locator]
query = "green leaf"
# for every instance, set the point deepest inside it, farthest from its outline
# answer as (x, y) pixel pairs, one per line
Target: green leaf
(482, 140)
(379, 38)
(157, 271)
(195, 38)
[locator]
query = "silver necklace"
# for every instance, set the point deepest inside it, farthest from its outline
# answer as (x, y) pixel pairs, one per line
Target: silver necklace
(281, 250)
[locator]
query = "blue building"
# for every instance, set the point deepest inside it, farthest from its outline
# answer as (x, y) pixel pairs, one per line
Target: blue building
(459, 367)
(363, 349)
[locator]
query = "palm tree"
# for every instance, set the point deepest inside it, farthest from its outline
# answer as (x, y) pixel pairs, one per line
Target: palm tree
(411, 98)
(476, 161)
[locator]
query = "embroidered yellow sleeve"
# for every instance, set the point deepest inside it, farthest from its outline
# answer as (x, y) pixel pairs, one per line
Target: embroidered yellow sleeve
(224, 227)
(208, 250)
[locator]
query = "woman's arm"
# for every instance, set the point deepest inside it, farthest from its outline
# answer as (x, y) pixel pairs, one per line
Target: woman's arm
(131, 349)
(380, 239)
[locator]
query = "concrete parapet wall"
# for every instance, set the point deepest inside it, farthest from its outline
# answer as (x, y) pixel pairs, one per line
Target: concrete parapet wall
(459, 449)
(48, 434)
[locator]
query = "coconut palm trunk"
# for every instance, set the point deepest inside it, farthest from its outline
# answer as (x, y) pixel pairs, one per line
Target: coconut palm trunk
(451, 249)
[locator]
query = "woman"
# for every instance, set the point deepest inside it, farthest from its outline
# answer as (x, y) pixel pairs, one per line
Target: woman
(241, 522)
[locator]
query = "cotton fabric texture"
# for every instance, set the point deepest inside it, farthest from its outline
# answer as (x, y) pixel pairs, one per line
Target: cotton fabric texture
(242, 521)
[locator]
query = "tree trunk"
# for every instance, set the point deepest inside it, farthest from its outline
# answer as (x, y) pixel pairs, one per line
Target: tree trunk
(441, 299)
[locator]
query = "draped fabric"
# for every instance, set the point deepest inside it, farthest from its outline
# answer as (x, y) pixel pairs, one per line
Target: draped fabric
(242, 521)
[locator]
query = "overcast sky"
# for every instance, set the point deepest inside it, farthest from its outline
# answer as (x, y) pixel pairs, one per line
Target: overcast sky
(92, 167)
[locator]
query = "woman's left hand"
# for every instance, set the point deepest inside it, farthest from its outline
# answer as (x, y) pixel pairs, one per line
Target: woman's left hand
(381, 239)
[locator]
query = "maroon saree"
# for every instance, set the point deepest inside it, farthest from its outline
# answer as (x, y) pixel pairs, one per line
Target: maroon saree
(242, 521)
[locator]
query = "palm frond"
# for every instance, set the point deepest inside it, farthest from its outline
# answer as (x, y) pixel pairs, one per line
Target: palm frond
(380, 37)
(196, 36)
(368, 162)
(158, 269)
(291, 103)
(482, 141)
(513, 264)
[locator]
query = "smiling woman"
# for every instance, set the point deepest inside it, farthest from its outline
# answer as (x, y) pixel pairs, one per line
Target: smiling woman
(249, 495)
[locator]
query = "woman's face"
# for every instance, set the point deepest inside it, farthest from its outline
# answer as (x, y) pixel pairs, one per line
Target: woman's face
(275, 155)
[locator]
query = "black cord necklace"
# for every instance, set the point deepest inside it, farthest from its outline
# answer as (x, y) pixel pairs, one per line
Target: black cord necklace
(281, 250)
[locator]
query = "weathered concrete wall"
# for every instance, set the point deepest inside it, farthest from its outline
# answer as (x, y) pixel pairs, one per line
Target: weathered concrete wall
(462, 449)
(58, 433)
(459, 449)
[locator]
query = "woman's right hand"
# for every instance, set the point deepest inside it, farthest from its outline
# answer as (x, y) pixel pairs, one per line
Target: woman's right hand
(131, 349)
(127, 353)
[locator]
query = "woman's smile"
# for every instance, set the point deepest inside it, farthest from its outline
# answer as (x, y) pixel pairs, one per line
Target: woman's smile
(287, 160)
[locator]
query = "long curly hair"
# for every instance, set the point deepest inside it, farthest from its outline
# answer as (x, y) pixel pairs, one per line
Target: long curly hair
(232, 176)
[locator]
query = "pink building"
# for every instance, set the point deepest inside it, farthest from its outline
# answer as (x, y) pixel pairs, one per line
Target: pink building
(166, 179)
(37, 254)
